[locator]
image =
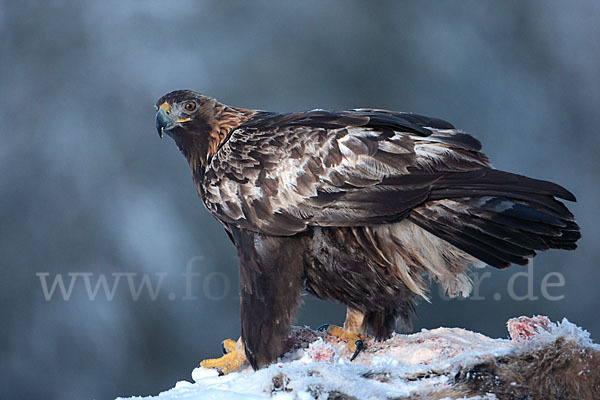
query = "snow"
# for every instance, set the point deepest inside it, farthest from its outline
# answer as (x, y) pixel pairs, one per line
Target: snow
(319, 367)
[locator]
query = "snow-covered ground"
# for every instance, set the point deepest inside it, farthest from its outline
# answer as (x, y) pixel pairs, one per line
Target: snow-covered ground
(401, 367)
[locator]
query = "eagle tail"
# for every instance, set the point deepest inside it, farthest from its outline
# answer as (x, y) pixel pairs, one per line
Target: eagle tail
(498, 217)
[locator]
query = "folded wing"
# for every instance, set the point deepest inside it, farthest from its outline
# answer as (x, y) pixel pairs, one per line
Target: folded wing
(280, 174)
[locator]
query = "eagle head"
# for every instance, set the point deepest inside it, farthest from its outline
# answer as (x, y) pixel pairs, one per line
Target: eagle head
(198, 124)
(185, 112)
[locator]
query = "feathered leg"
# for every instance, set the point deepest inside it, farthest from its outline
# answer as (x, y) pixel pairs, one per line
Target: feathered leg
(270, 280)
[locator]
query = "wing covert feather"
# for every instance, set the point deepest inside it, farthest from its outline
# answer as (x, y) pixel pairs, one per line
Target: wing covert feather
(282, 173)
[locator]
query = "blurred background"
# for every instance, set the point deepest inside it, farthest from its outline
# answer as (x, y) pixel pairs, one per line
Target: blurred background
(90, 195)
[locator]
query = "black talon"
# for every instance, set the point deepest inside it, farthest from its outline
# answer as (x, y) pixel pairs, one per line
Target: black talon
(223, 348)
(323, 328)
(359, 347)
(221, 373)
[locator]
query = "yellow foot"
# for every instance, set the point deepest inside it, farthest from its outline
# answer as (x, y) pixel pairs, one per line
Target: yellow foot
(233, 360)
(355, 342)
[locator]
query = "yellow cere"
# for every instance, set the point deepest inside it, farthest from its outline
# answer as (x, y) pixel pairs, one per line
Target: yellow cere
(165, 106)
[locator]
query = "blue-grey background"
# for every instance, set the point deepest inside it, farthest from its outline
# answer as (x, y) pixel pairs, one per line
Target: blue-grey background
(86, 185)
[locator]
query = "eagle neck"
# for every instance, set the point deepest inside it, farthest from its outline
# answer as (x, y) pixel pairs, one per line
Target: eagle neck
(200, 151)
(227, 119)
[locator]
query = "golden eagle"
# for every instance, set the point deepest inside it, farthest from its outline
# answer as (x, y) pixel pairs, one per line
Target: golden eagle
(359, 206)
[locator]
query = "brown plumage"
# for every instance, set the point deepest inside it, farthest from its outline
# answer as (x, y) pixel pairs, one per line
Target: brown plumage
(359, 206)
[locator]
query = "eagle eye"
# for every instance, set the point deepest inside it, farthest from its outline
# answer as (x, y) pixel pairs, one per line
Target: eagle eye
(190, 106)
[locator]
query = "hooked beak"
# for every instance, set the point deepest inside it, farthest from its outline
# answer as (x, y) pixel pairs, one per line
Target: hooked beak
(163, 119)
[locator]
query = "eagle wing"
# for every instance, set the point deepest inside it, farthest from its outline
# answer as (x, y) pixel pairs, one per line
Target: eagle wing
(279, 174)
